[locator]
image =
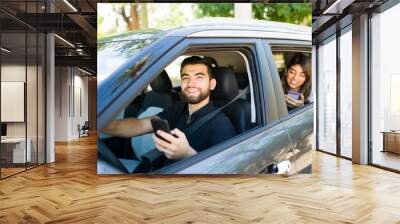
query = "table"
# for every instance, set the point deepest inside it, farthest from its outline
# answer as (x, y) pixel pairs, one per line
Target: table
(13, 150)
(391, 141)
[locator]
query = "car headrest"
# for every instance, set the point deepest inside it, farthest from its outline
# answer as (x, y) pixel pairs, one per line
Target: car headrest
(162, 83)
(227, 87)
(242, 79)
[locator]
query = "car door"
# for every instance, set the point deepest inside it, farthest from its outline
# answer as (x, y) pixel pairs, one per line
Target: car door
(300, 127)
(299, 123)
(252, 151)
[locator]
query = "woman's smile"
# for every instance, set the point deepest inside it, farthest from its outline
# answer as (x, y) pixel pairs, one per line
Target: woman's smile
(295, 77)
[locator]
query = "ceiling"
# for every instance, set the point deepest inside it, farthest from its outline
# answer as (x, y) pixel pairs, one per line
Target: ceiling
(74, 22)
(331, 14)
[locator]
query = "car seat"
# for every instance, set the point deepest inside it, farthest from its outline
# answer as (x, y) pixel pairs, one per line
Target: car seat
(162, 95)
(227, 89)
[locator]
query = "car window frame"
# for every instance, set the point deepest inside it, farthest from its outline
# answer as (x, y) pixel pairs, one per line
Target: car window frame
(269, 44)
(258, 84)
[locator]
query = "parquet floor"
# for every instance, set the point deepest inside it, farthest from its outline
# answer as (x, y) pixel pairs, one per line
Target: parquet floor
(9, 171)
(70, 191)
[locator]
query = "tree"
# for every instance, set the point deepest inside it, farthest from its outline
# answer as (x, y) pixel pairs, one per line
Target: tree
(298, 13)
(133, 14)
(213, 10)
(131, 20)
(143, 15)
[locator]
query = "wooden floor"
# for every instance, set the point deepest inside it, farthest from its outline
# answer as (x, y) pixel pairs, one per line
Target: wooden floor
(70, 191)
(10, 171)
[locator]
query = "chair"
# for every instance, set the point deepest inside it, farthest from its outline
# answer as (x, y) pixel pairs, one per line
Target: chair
(84, 130)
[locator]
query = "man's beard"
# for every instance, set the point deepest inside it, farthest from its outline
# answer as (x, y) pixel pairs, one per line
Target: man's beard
(197, 99)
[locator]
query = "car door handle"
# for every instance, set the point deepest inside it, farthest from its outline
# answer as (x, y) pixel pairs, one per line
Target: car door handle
(283, 167)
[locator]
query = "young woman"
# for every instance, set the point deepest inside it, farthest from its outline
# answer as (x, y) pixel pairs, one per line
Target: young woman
(296, 82)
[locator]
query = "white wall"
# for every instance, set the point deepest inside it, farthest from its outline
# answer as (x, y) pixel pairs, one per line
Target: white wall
(62, 81)
(12, 73)
(33, 126)
(71, 93)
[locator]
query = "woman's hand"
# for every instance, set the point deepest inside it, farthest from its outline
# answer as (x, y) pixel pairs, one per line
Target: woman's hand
(292, 103)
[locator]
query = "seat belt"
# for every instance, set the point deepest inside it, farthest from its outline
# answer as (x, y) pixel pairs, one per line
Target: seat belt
(197, 124)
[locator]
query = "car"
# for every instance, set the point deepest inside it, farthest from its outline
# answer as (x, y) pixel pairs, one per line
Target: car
(144, 65)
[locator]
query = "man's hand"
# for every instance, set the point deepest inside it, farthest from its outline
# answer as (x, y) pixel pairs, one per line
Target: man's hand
(177, 146)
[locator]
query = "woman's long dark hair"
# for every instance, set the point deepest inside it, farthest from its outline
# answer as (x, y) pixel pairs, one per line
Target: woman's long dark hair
(305, 63)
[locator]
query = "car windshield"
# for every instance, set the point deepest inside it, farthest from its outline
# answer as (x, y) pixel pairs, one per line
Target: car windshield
(114, 51)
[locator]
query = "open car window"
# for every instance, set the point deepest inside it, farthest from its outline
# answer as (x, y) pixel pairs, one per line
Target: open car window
(283, 56)
(173, 71)
(156, 98)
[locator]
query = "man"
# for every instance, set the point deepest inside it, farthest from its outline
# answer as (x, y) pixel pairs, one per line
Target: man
(196, 84)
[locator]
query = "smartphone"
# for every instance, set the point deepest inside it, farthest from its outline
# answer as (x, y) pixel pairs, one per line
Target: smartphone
(294, 95)
(160, 124)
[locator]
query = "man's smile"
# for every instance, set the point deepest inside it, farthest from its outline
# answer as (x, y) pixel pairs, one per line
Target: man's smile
(192, 90)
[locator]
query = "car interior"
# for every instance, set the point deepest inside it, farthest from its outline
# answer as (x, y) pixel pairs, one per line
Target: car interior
(231, 71)
(231, 75)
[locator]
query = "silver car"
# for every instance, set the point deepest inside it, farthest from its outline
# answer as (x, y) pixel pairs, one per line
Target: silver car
(270, 139)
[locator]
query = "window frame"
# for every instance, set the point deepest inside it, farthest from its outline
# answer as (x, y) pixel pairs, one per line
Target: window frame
(254, 49)
(287, 45)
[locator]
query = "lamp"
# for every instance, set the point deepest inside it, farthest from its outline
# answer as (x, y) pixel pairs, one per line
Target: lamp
(64, 40)
(5, 49)
(84, 71)
(70, 5)
(337, 7)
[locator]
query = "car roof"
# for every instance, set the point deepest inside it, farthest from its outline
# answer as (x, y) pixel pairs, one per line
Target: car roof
(249, 24)
(231, 27)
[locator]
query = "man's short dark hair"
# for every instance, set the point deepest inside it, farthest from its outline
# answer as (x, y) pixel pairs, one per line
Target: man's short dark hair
(194, 60)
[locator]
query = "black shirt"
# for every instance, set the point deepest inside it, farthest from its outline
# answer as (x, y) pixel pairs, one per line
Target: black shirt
(216, 130)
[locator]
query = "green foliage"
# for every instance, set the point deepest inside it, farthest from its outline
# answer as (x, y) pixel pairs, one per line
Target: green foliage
(298, 13)
(213, 10)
